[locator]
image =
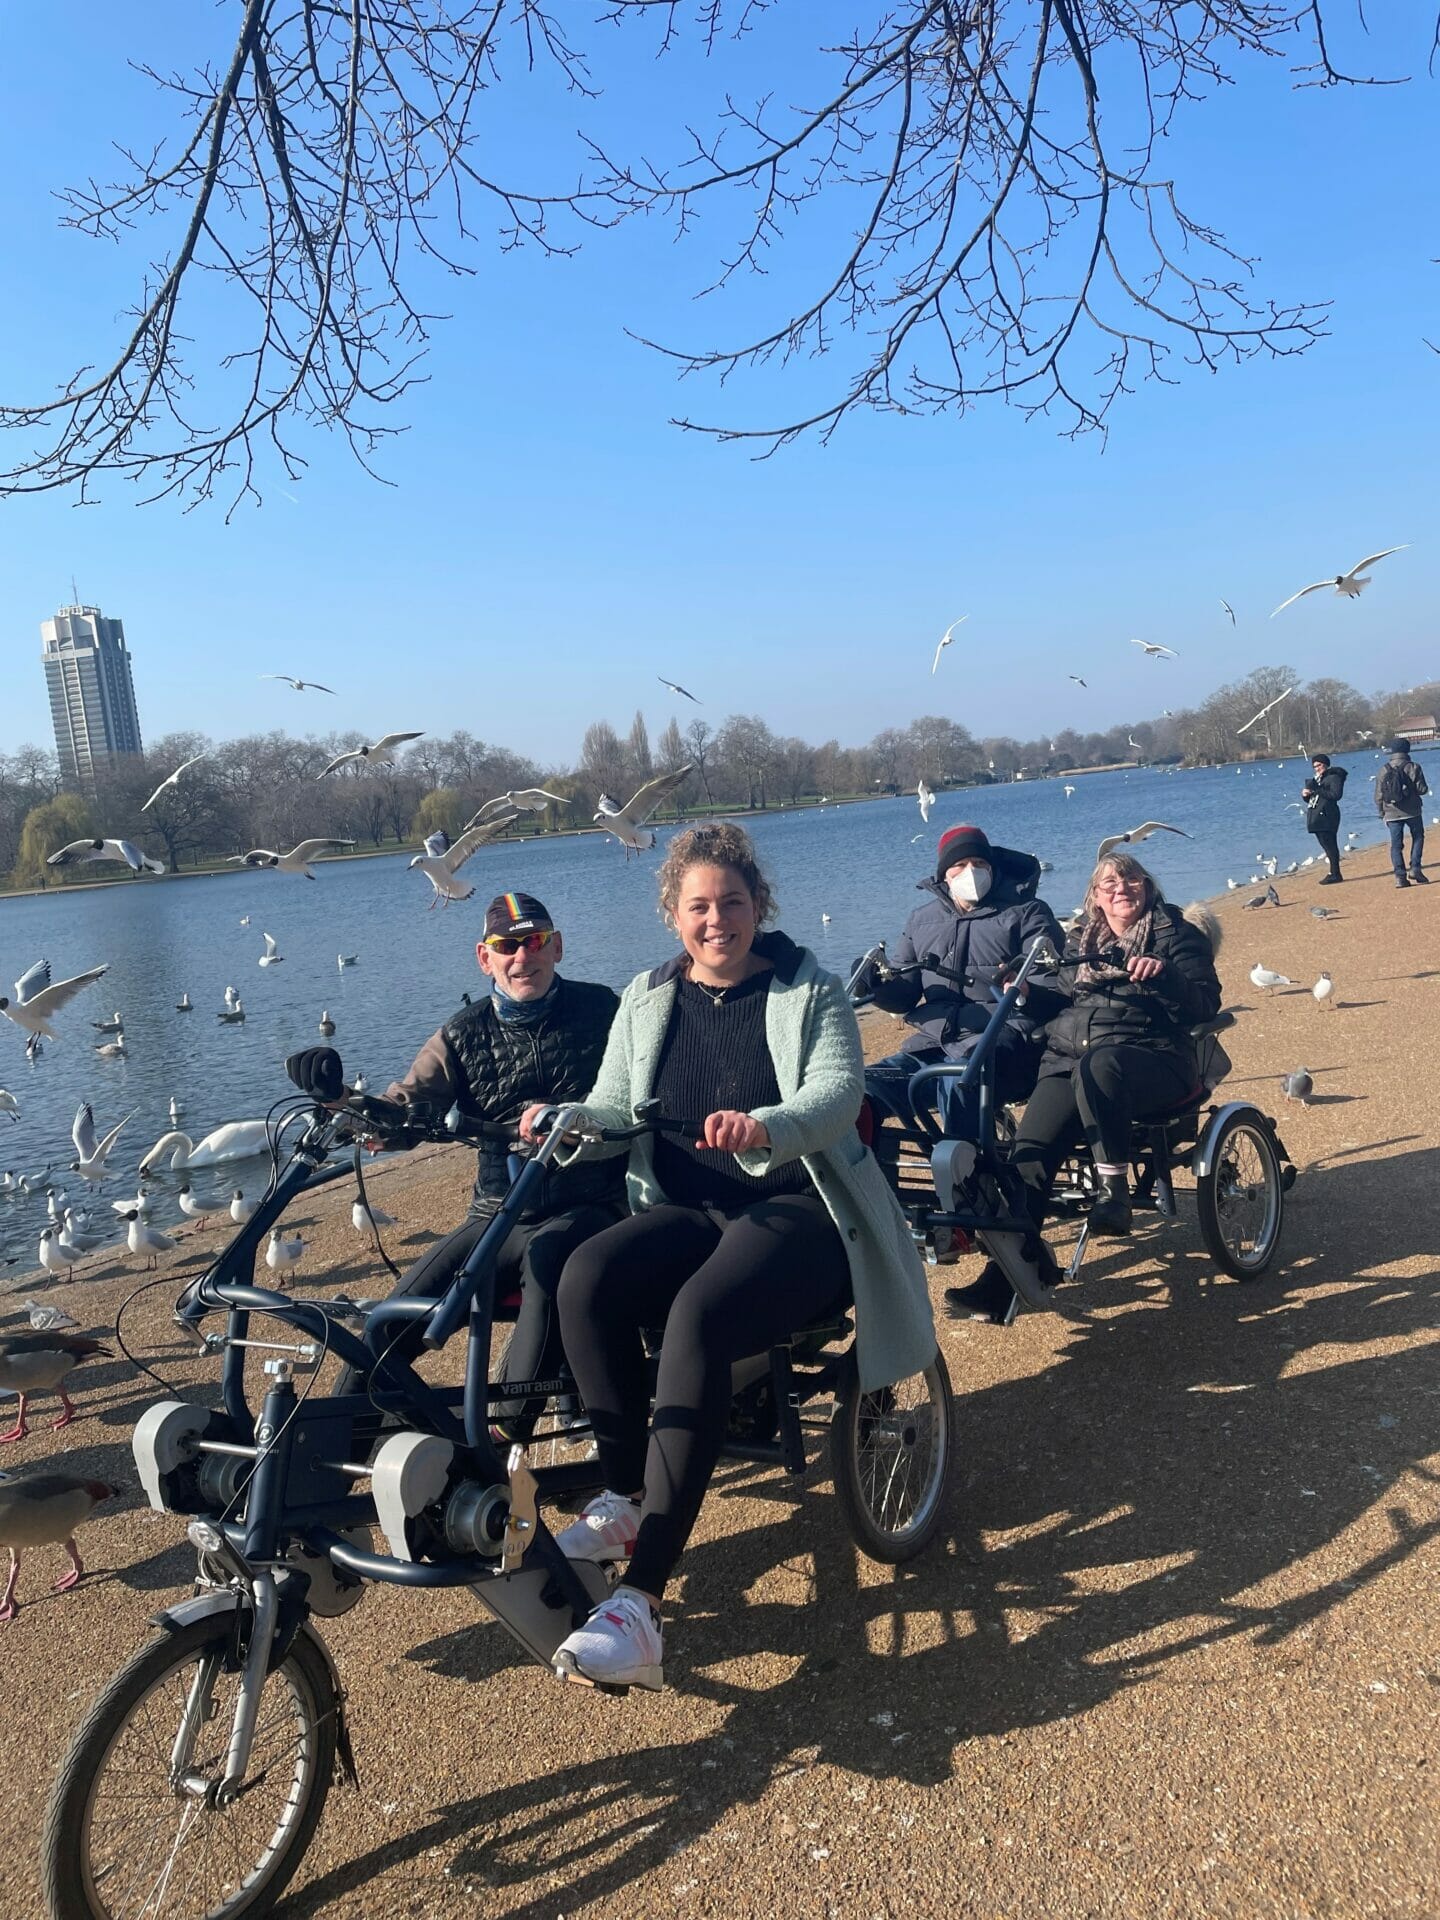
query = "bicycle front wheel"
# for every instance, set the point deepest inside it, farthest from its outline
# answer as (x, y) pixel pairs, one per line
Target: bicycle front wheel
(128, 1836)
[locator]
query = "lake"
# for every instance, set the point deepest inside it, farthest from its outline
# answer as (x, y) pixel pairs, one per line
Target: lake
(860, 864)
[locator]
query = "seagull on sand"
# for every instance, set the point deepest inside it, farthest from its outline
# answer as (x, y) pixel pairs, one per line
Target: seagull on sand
(90, 851)
(1262, 713)
(946, 638)
(1323, 988)
(364, 1219)
(282, 1256)
(380, 754)
(627, 823)
(172, 779)
(675, 687)
(35, 999)
(1153, 650)
(1262, 977)
(297, 860)
(527, 800)
(1136, 835)
(242, 1209)
(441, 861)
(94, 1153)
(1349, 585)
(143, 1238)
(926, 799)
(272, 956)
(300, 686)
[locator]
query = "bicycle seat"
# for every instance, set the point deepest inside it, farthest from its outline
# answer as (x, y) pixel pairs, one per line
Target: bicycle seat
(1206, 1028)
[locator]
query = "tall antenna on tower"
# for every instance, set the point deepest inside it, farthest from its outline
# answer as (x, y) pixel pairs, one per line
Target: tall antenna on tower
(74, 592)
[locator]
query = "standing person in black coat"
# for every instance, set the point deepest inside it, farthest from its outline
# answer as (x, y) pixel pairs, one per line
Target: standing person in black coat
(536, 1036)
(1321, 796)
(978, 922)
(1135, 977)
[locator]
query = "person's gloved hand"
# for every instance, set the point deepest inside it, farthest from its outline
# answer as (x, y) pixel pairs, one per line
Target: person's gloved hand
(318, 1072)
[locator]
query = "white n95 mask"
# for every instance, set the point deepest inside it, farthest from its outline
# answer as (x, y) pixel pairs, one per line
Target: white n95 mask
(970, 885)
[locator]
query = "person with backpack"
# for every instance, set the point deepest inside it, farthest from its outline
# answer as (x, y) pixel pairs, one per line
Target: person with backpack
(1321, 796)
(1398, 794)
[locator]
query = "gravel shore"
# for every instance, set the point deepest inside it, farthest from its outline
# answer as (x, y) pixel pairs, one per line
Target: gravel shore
(1174, 1652)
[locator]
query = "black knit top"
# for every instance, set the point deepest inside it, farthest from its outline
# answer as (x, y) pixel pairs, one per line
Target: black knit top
(715, 1056)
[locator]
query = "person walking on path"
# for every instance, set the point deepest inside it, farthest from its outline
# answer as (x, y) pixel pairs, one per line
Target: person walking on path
(1398, 795)
(1321, 795)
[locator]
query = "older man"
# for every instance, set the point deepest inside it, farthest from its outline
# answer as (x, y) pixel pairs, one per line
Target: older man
(535, 1036)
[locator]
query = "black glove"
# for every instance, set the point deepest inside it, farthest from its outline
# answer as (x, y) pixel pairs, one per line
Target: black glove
(318, 1072)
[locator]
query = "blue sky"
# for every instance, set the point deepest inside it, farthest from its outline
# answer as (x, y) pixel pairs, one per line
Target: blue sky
(550, 543)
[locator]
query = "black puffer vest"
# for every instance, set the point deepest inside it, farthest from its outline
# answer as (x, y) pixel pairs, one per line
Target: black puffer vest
(507, 1065)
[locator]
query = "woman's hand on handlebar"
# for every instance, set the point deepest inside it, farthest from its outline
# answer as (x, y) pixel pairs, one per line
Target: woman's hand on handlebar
(1144, 966)
(733, 1132)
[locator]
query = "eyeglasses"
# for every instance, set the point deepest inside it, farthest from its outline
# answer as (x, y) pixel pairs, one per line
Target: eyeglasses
(512, 943)
(1111, 887)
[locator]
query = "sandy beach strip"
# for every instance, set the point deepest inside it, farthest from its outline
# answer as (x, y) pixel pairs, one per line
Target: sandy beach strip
(1174, 1652)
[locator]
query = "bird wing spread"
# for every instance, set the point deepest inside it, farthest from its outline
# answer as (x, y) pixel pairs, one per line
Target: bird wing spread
(271, 943)
(1314, 587)
(339, 761)
(638, 809)
(388, 740)
(309, 849)
(1138, 833)
(83, 1132)
(1370, 559)
(51, 999)
(474, 837)
(35, 980)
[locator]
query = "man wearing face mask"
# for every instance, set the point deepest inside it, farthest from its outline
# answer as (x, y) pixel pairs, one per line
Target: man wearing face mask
(978, 920)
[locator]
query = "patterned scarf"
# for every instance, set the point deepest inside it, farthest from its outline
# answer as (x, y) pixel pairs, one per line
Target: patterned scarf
(1098, 938)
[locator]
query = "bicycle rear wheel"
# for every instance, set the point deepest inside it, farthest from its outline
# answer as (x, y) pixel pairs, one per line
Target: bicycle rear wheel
(125, 1840)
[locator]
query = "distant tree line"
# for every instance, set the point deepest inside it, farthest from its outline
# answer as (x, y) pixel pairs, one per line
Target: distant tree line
(263, 790)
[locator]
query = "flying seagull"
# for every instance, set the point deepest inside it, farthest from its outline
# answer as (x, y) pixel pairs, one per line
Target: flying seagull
(675, 687)
(627, 823)
(1263, 711)
(526, 800)
(183, 767)
(946, 638)
(272, 956)
(1154, 651)
(93, 1153)
(1350, 585)
(297, 860)
(381, 754)
(300, 686)
(1136, 835)
(1229, 609)
(926, 799)
(35, 999)
(1078, 681)
(89, 851)
(441, 861)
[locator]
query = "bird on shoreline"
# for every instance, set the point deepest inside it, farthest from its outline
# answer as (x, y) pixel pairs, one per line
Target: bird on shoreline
(1348, 585)
(283, 1256)
(1323, 988)
(1297, 1086)
(1262, 976)
(88, 852)
(242, 1209)
(143, 1238)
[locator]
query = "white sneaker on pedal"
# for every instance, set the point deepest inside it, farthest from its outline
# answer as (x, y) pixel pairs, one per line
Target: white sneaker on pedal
(604, 1532)
(620, 1645)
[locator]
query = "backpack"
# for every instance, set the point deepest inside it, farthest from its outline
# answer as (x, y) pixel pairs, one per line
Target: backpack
(1401, 787)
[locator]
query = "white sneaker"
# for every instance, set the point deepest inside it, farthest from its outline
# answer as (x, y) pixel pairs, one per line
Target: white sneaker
(604, 1532)
(620, 1645)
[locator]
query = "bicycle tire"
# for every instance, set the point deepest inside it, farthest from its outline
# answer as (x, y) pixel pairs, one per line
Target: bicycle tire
(1212, 1198)
(875, 1442)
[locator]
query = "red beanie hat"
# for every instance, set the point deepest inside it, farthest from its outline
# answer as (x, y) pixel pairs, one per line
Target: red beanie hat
(962, 843)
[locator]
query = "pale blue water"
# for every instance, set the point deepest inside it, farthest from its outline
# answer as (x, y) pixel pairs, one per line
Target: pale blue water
(859, 864)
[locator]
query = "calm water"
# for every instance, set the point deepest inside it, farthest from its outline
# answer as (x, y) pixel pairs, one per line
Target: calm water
(859, 864)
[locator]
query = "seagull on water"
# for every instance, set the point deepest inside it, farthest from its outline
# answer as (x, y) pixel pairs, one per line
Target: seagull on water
(113, 1049)
(627, 823)
(116, 1024)
(380, 754)
(183, 1004)
(1136, 835)
(946, 638)
(172, 779)
(675, 687)
(300, 686)
(441, 861)
(88, 852)
(1349, 585)
(343, 960)
(36, 1000)
(1153, 650)
(297, 860)
(272, 956)
(9, 1105)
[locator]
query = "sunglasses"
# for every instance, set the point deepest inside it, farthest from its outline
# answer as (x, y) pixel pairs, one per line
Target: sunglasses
(512, 943)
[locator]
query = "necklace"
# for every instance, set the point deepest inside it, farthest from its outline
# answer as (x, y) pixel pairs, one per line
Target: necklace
(715, 995)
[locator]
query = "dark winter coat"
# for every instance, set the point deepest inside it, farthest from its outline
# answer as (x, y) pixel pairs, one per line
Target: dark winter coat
(979, 946)
(493, 1069)
(1387, 805)
(1322, 800)
(1155, 1013)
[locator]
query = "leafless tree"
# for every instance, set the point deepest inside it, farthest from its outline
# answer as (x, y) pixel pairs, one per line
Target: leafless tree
(1002, 237)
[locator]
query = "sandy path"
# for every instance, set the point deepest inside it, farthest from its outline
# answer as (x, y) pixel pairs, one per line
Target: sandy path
(1173, 1654)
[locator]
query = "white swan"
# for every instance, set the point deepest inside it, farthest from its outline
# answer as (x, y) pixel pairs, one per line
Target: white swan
(238, 1140)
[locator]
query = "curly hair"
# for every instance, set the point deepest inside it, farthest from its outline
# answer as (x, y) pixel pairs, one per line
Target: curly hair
(721, 844)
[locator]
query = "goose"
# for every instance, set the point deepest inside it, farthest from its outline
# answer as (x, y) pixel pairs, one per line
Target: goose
(237, 1140)
(41, 1363)
(41, 1510)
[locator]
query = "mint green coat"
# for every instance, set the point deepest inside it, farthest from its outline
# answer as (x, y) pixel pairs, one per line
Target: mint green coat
(815, 1048)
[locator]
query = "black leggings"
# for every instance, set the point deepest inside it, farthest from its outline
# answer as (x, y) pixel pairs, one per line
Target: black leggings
(1108, 1089)
(1328, 841)
(722, 1288)
(533, 1258)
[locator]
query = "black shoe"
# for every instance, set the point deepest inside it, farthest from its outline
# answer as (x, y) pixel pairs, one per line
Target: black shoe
(1330, 880)
(1110, 1217)
(1402, 882)
(1419, 880)
(987, 1298)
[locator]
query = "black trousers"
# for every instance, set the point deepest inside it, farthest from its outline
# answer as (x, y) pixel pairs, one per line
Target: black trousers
(1328, 841)
(722, 1288)
(1108, 1089)
(533, 1258)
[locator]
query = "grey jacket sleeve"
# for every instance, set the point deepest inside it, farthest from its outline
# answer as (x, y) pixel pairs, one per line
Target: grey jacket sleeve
(827, 1102)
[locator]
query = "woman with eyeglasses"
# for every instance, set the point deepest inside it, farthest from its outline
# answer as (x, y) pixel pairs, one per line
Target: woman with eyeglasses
(771, 1217)
(1136, 975)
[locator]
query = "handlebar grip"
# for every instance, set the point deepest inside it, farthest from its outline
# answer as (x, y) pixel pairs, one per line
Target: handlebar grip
(317, 1071)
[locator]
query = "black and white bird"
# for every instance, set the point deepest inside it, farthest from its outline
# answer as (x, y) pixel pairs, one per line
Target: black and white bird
(172, 779)
(1272, 896)
(327, 1025)
(1348, 585)
(505, 806)
(1153, 650)
(627, 823)
(1078, 681)
(1135, 836)
(381, 753)
(300, 686)
(675, 687)
(36, 999)
(946, 638)
(297, 860)
(272, 956)
(926, 799)
(89, 852)
(94, 1153)
(443, 858)
(1323, 989)
(1266, 979)
(9, 1105)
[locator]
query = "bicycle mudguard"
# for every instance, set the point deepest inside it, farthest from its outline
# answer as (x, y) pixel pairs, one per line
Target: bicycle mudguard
(528, 1607)
(220, 1601)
